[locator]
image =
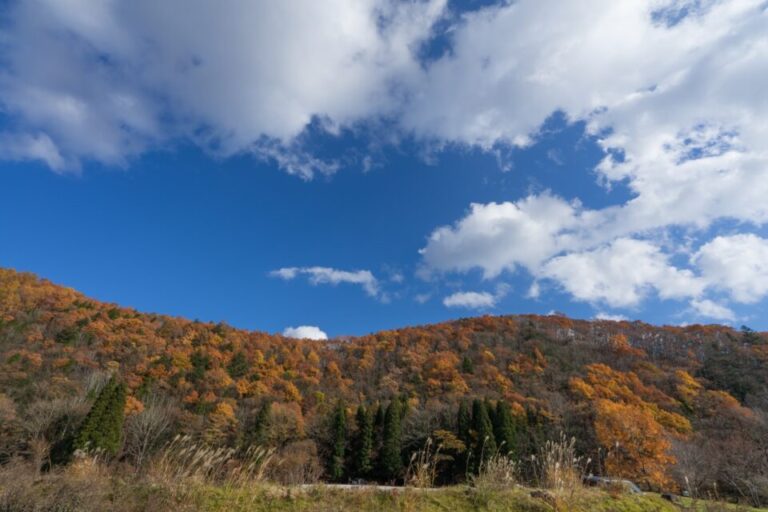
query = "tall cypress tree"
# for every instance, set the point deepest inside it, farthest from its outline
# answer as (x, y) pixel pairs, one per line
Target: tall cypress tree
(485, 443)
(339, 430)
(464, 432)
(363, 462)
(378, 422)
(504, 427)
(391, 459)
(102, 428)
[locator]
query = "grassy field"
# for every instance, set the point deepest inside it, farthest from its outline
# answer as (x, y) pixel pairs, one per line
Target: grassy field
(89, 486)
(443, 500)
(91, 493)
(448, 499)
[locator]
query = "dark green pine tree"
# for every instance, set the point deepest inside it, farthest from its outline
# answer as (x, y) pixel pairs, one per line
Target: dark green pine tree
(259, 435)
(467, 366)
(504, 428)
(363, 462)
(405, 407)
(102, 428)
(391, 459)
(464, 423)
(464, 432)
(238, 366)
(749, 336)
(339, 432)
(484, 442)
(378, 422)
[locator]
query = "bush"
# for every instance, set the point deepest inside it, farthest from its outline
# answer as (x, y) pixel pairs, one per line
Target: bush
(296, 464)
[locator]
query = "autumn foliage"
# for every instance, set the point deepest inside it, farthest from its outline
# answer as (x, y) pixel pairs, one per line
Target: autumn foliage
(635, 396)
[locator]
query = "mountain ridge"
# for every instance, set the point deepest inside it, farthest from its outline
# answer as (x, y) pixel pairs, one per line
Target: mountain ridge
(688, 388)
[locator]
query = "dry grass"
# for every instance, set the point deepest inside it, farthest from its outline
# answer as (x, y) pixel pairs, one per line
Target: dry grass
(185, 460)
(496, 472)
(91, 486)
(422, 468)
(86, 485)
(179, 478)
(558, 469)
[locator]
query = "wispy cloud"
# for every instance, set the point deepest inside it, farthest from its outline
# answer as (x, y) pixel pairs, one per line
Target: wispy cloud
(608, 316)
(476, 300)
(470, 300)
(711, 309)
(332, 276)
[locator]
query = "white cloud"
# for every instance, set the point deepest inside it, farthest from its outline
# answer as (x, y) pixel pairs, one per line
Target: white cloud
(107, 80)
(309, 332)
(476, 300)
(621, 274)
(625, 271)
(710, 309)
(294, 160)
(674, 96)
(23, 146)
(286, 273)
(471, 300)
(672, 90)
(249, 77)
(736, 264)
(643, 86)
(422, 298)
(327, 275)
(608, 316)
(534, 291)
(500, 236)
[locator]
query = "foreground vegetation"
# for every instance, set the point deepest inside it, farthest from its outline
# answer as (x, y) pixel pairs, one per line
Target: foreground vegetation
(672, 409)
(89, 486)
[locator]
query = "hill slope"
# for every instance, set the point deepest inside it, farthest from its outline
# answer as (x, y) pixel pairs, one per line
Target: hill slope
(656, 404)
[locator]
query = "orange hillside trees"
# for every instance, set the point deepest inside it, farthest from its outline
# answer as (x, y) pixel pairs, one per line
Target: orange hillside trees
(629, 424)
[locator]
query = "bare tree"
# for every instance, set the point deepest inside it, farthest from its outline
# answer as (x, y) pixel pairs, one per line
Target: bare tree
(9, 428)
(47, 422)
(697, 465)
(145, 430)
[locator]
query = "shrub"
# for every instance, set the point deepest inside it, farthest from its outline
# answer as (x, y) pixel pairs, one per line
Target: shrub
(557, 467)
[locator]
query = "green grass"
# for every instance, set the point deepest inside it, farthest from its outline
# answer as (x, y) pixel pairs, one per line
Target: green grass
(94, 492)
(451, 499)
(691, 505)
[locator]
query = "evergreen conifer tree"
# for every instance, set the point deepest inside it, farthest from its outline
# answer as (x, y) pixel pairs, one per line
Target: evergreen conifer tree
(339, 430)
(363, 442)
(463, 431)
(378, 422)
(405, 407)
(391, 459)
(102, 428)
(378, 436)
(504, 427)
(485, 442)
(238, 366)
(464, 423)
(261, 425)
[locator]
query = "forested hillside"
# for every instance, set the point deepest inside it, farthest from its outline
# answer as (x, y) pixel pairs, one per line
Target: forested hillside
(668, 407)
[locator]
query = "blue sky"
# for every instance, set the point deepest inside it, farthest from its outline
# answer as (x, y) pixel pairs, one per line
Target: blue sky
(379, 164)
